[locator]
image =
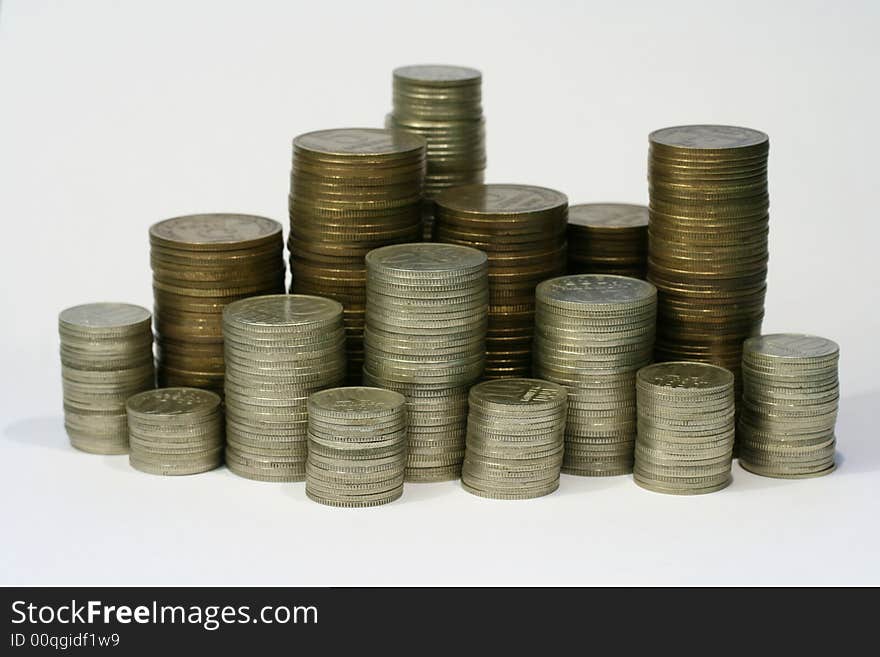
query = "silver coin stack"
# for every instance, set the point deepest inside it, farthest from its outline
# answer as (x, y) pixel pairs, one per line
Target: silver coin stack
(357, 446)
(442, 104)
(515, 438)
(175, 431)
(789, 406)
(686, 428)
(425, 338)
(593, 332)
(106, 356)
(278, 350)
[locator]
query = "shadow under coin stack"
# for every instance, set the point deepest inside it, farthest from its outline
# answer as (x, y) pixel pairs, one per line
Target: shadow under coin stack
(789, 406)
(442, 104)
(200, 264)
(686, 428)
(522, 230)
(608, 238)
(279, 349)
(106, 357)
(707, 240)
(425, 338)
(175, 431)
(357, 446)
(351, 190)
(593, 333)
(516, 430)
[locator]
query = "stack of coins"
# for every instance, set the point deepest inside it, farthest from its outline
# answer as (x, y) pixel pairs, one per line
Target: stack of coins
(175, 431)
(593, 333)
(357, 446)
(351, 190)
(707, 240)
(201, 263)
(789, 406)
(686, 428)
(279, 349)
(425, 338)
(608, 238)
(106, 356)
(442, 104)
(516, 429)
(522, 229)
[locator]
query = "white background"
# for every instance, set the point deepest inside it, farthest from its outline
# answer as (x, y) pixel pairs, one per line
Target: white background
(114, 115)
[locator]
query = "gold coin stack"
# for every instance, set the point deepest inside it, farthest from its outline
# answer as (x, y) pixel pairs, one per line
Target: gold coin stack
(106, 357)
(351, 190)
(279, 349)
(608, 238)
(442, 104)
(201, 263)
(522, 230)
(707, 240)
(425, 338)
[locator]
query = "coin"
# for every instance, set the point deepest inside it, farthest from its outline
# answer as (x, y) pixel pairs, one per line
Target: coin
(608, 238)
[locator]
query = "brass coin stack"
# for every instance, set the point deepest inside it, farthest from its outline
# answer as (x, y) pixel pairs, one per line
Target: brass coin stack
(425, 338)
(593, 333)
(106, 356)
(608, 238)
(442, 104)
(686, 428)
(707, 240)
(522, 230)
(175, 431)
(789, 406)
(515, 439)
(351, 190)
(357, 446)
(201, 263)
(279, 349)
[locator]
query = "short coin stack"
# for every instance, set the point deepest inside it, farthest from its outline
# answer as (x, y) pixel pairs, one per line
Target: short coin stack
(789, 406)
(357, 446)
(279, 349)
(686, 428)
(442, 104)
(200, 264)
(608, 238)
(106, 356)
(175, 431)
(593, 333)
(425, 338)
(515, 439)
(351, 190)
(707, 240)
(522, 229)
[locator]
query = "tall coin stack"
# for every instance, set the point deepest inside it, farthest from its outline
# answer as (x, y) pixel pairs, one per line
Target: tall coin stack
(522, 230)
(515, 439)
(686, 428)
(279, 349)
(789, 406)
(357, 446)
(351, 190)
(608, 238)
(442, 104)
(106, 356)
(707, 240)
(593, 333)
(425, 338)
(201, 263)
(175, 431)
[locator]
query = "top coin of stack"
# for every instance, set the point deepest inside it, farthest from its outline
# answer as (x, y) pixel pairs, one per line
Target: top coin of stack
(443, 105)
(351, 190)
(522, 230)
(608, 238)
(201, 263)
